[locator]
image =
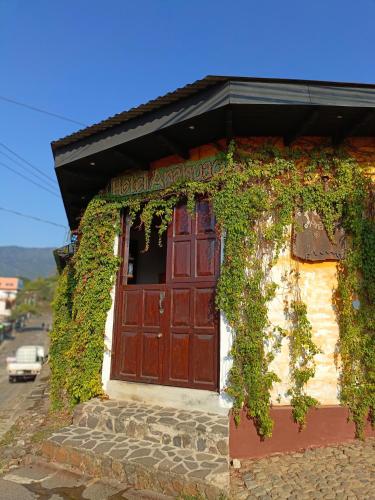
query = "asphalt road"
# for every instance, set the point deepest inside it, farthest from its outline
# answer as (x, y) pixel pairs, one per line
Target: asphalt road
(14, 396)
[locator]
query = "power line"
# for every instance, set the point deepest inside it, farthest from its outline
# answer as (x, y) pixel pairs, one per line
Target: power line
(26, 178)
(27, 216)
(34, 108)
(26, 161)
(24, 167)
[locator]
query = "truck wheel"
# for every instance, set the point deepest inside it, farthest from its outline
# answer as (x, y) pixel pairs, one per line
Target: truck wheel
(11, 379)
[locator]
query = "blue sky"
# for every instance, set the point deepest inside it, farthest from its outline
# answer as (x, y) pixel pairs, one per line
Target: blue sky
(88, 59)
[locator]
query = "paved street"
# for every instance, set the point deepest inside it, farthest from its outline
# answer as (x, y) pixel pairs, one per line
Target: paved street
(336, 472)
(15, 397)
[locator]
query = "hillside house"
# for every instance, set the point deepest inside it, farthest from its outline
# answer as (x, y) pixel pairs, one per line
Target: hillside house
(9, 287)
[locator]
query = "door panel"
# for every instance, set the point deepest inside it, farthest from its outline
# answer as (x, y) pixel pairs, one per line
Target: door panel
(139, 339)
(151, 356)
(204, 362)
(205, 219)
(128, 355)
(204, 308)
(151, 309)
(181, 260)
(179, 358)
(181, 221)
(131, 311)
(169, 333)
(180, 309)
(205, 261)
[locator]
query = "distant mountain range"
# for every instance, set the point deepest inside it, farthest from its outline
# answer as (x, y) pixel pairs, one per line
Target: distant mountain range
(26, 262)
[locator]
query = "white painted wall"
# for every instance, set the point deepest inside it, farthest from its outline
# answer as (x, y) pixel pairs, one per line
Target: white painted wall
(6, 295)
(108, 331)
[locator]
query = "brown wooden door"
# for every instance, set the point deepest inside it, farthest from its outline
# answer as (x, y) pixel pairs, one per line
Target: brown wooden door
(169, 334)
(192, 270)
(139, 342)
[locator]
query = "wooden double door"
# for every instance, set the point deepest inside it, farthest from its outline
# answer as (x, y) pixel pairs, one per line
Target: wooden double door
(168, 333)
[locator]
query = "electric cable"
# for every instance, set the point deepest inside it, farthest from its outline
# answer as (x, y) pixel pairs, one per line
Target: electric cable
(26, 161)
(29, 180)
(27, 216)
(39, 177)
(39, 110)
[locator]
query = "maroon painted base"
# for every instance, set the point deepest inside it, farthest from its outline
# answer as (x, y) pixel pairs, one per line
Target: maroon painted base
(325, 425)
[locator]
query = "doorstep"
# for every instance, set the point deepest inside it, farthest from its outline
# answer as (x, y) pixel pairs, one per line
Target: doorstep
(167, 450)
(174, 397)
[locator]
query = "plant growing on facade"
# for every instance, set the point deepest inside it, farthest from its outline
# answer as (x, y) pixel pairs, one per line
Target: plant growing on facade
(254, 197)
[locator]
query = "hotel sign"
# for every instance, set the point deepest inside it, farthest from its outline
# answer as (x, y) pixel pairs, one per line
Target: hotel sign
(161, 178)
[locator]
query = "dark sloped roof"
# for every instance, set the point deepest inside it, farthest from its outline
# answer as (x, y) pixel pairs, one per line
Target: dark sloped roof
(140, 110)
(179, 94)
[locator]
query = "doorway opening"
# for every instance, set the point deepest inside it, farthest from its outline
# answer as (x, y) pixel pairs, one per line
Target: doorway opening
(146, 267)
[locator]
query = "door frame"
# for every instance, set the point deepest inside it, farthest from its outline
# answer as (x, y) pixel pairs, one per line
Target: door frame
(123, 253)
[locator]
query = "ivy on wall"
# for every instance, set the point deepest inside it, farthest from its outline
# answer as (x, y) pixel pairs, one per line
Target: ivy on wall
(254, 198)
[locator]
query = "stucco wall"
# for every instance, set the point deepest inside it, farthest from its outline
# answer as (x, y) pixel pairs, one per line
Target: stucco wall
(317, 282)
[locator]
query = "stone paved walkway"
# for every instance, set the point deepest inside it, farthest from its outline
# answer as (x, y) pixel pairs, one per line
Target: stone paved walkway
(189, 429)
(336, 472)
(148, 447)
(185, 462)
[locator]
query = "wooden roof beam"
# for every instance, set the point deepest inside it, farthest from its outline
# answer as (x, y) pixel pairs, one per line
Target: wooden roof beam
(85, 177)
(354, 126)
(301, 127)
(130, 160)
(174, 147)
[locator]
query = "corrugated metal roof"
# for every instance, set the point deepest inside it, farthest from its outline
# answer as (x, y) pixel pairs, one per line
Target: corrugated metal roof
(137, 111)
(179, 94)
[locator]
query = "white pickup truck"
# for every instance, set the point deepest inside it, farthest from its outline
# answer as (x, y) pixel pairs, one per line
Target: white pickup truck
(26, 364)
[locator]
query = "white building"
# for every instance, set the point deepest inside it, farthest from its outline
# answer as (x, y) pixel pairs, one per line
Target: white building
(9, 288)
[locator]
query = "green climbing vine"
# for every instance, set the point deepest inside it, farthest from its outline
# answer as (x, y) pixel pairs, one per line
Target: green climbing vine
(254, 198)
(302, 349)
(355, 302)
(60, 335)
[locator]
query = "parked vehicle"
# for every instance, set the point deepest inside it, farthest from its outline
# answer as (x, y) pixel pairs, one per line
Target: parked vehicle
(20, 324)
(8, 327)
(27, 363)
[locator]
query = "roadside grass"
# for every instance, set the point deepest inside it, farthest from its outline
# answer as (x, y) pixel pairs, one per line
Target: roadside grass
(54, 421)
(11, 435)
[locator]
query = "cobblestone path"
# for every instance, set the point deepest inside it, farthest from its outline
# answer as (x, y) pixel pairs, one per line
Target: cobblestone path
(342, 472)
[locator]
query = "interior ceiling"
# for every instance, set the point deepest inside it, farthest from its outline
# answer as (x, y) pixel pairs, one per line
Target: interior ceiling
(82, 178)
